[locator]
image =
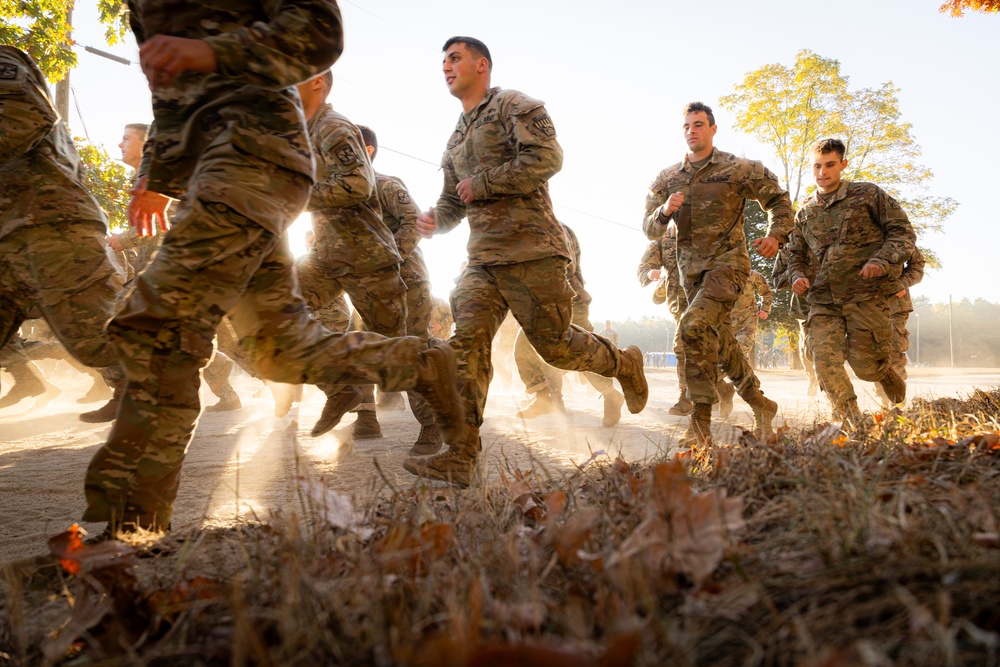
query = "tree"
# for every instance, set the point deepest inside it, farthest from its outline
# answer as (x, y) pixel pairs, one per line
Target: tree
(42, 29)
(107, 180)
(958, 7)
(790, 108)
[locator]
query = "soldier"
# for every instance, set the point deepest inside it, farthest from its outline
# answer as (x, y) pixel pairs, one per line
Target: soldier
(53, 248)
(857, 237)
(703, 198)
(496, 171)
(441, 320)
(543, 382)
(609, 333)
(228, 138)
(798, 309)
(748, 311)
(659, 262)
(900, 307)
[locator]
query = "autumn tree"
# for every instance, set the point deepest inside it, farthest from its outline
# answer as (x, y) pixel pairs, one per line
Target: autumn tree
(790, 108)
(107, 179)
(42, 29)
(958, 7)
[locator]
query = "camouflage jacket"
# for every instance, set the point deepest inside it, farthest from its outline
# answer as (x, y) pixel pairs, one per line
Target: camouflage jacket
(399, 213)
(913, 273)
(40, 170)
(662, 254)
(441, 316)
(746, 307)
(574, 272)
(860, 224)
(797, 308)
(347, 217)
(710, 237)
(263, 48)
(507, 146)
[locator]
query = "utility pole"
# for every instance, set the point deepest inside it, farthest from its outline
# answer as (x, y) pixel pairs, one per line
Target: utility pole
(951, 337)
(62, 88)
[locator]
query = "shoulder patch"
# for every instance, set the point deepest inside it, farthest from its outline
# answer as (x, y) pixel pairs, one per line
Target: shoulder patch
(8, 72)
(346, 154)
(403, 197)
(543, 125)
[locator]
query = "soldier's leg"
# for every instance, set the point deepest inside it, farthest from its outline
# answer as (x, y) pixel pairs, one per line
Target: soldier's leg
(900, 342)
(869, 346)
(216, 375)
(613, 399)
(28, 379)
(827, 331)
(544, 398)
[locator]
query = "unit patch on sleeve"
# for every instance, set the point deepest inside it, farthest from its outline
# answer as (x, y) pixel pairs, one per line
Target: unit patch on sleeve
(544, 125)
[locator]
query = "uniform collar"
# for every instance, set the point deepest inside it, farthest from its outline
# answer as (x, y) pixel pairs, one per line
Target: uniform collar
(839, 195)
(712, 159)
(467, 118)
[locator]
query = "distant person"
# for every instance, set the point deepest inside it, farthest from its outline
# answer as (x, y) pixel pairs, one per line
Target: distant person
(609, 333)
(799, 309)
(703, 198)
(840, 227)
(496, 169)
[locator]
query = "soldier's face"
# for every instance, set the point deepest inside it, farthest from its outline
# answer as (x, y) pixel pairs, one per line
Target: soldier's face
(131, 147)
(698, 131)
(461, 69)
(826, 170)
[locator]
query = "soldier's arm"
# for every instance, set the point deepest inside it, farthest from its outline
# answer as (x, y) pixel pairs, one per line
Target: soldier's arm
(396, 202)
(764, 290)
(450, 209)
(797, 256)
(765, 188)
(900, 239)
(653, 223)
(650, 260)
(913, 271)
(344, 176)
(26, 111)
(538, 156)
(302, 39)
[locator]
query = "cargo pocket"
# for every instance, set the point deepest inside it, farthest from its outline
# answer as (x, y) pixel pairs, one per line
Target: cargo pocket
(723, 284)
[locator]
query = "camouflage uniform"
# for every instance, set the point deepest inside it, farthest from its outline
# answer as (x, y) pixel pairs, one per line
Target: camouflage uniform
(53, 234)
(900, 308)
(848, 314)
(441, 320)
(713, 260)
(233, 146)
(336, 316)
(518, 257)
(662, 254)
(798, 309)
(744, 315)
(535, 373)
(137, 251)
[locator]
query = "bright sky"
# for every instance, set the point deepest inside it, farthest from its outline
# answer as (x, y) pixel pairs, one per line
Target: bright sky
(614, 77)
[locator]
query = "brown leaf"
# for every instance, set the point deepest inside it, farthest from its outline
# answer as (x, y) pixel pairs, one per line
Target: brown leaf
(989, 540)
(496, 655)
(405, 548)
(75, 556)
(569, 538)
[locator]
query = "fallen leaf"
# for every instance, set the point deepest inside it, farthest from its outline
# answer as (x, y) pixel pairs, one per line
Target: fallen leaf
(75, 556)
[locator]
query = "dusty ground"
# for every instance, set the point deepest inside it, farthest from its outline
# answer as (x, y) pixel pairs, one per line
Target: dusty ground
(243, 463)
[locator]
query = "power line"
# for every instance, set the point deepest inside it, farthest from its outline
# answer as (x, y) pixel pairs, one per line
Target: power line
(378, 18)
(591, 215)
(412, 157)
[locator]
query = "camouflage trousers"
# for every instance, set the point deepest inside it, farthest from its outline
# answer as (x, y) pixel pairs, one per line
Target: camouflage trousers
(678, 305)
(745, 332)
(707, 334)
(538, 375)
(900, 342)
(336, 315)
(859, 333)
(214, 261)
(70, 277)
(419, 305)
(805, 353)
(541, 300)
(379, 297)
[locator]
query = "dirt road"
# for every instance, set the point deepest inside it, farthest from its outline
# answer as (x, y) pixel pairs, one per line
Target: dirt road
(243, 463)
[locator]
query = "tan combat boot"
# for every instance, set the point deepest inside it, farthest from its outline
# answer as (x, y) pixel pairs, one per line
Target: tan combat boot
(437, 383)
(543, 402)
(338, 404)
(849, 414)
(428, 442)
(632, 378)
(613, 401)
(893, 385)
(726, 393)
(683, 406)
(764, 412)
(107, 412)
(366, 427)
(456, 466)
(699, 432)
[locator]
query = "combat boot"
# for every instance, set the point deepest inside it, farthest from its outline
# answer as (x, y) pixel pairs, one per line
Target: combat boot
(98, 391)
(366, 427)
(764, 412)
(229, 400)
(391, 401)
(893, 385)
(699, 432)
(683, 406)
(632, 378)
(813, 387)
(337, 405)
(613, 401)
(437, 383)
(726, 393)
(542, 403)
(284, 396)
(108, 411)
(428, 442)
(27, 384)
(456, 466)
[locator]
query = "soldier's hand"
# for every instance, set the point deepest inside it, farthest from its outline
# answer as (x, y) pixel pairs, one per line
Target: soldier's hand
(767, 246)
(674, 202)
(654, 274)
(146, 209)
(801, 286)
(761, 314)
(464, 189)
(426, 224)
(164, 57)
(901, 293)
(870, 270)
(115, 243)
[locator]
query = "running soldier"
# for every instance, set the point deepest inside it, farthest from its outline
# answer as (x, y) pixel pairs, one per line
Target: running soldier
(857, 237)
(703, 197)
(496, 171)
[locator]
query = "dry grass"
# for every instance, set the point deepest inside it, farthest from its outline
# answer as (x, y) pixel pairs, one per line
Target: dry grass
(877, 547)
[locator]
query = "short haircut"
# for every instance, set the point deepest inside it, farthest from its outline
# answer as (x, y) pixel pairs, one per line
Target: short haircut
(695, 107)
(142, 129)
(830, 145)
(477, 47)
(368, 135)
